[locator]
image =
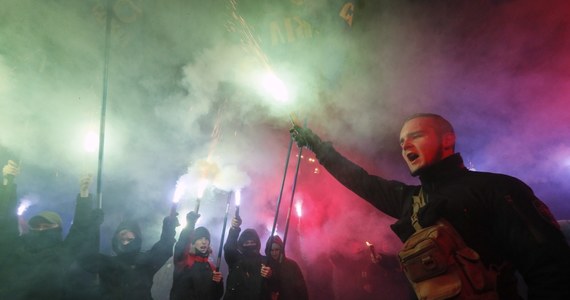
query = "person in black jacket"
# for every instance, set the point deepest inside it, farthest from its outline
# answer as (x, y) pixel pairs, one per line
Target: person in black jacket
(129, 274)
(497, 215)
(565, 227)
(291, 282)
(195, 276)
(39, 261)
(249, 277)
(9, 232)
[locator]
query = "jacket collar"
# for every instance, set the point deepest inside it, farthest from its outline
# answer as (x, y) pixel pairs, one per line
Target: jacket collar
(450, 167)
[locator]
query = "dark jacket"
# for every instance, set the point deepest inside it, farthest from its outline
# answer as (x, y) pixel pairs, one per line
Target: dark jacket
(41, 260)
(8, 219)
(8, 231)
(290, 280)
(129, 274)
(244, 279)
(192, 278)
(497, 215)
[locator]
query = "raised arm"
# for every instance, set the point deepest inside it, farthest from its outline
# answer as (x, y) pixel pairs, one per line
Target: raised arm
(231, 246)
(386, 195)
(162, 250)
(184, 238)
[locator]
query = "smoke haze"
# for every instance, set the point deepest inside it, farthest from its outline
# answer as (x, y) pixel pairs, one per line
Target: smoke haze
(183, 89)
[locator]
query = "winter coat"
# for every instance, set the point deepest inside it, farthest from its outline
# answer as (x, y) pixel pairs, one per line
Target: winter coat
(497, 215)
(192, 278)
(290, 280)
(39, 264)
(8, 219)
(129, 275)
(9, 233)
(244, 280)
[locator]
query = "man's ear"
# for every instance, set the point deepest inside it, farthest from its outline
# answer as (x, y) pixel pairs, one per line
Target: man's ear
(448, 141)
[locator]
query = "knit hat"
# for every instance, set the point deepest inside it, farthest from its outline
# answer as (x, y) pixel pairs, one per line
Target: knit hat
(199, 233)
(48, 217)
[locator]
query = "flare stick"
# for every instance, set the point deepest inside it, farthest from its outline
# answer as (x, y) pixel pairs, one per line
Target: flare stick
(197, 209)
(108, 17)
(282, 185)
(219, 259)
(292, 196)
(372, 250)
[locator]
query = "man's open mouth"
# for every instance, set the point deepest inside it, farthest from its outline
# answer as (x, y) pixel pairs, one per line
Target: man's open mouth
(412, 156)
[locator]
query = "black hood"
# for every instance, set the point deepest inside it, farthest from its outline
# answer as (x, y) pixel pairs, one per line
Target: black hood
(249, 234)
(135, 245)
(277, 240)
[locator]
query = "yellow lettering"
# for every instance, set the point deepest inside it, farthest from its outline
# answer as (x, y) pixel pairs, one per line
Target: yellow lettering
(304, 29)
(346, 13)
(289, 29)
(276, 35)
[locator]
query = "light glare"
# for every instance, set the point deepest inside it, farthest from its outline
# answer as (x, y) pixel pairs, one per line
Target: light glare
(24, 204)
(275, 87)
(238, 197)
(91, 142)
(299, 208)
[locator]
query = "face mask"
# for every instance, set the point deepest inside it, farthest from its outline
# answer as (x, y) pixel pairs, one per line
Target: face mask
(131, 247)
(41, 239)
(249, 250)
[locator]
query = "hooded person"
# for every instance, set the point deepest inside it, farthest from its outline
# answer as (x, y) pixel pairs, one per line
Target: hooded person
(45, 231)
(127, 240)
(129, 274)
(290, 280)
(249, 277)
(42, 257)
(195, 276)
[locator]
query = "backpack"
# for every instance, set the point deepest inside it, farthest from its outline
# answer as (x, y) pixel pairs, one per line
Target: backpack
(439, 265)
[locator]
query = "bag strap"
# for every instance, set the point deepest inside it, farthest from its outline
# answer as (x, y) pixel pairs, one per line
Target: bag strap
(418, 202)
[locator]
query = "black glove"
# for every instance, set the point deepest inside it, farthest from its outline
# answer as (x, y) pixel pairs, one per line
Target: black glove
(171, 222)
(191, 218)
(304, 137)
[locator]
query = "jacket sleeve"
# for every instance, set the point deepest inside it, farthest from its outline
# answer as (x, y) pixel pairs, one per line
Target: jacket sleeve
(299, 284)
(231, 254)
(82, 232)
(182, 243)
(8, 216)
(218, 289)
(386, 195)
(162, 250)
(528, 235)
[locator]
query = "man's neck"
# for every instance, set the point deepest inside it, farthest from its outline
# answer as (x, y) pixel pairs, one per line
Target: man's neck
(443, 170)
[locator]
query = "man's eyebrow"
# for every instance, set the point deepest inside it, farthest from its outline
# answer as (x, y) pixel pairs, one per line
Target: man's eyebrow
(411, 134)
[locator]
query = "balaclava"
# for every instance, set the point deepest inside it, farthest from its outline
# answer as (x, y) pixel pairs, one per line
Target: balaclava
(42, 239)
(249, 234)
(134, 246)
